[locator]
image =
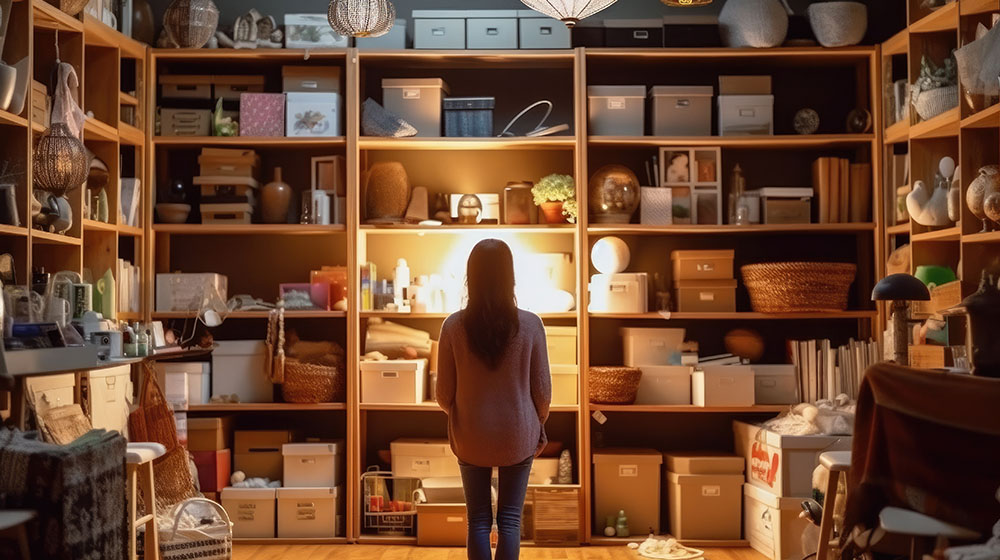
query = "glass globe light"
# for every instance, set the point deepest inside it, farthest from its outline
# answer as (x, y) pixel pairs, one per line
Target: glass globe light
(60, 163)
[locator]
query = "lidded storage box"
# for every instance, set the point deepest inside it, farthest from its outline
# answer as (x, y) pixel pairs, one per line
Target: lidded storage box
(209, 434)
(624, 292)
(468, 117)
(393, 381)
(322, 79)
(783, 464)
(706, 296)
(705, 493)
(681, 110)
(315, 114)
(309, 513)
(650, 346)
(491, 29)
(565, 383)
(638, 33)
(723, 386)
(775, 384)
(703, 265)
(438, 29)
(786, 205)
(422, 458)
(664, 385)
(186, 87)
(185, 122)
(418, 101)
(616, 110)
(109, 397)
(441, 524)
(238, 367)
(538, 31)
(316, 465)
(252, 511)
(628, 479)
(231, 87)
(561, 344)
(772, 524)
(258, 452)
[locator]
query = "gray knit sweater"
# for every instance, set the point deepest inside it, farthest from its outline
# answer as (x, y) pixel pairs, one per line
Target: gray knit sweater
(496, 417)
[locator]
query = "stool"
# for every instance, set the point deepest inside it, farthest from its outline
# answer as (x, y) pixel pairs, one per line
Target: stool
(139, 475)
(14, 524)
(836, 462)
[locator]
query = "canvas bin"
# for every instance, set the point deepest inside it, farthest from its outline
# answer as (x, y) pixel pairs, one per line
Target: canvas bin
(705, 494)
(109, 397)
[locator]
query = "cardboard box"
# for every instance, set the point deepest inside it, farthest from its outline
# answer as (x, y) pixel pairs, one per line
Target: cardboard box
(441, 524)
(258, 453)
(565, 384)
(705, 296)
(252, 511)
(650, 346)
(109, 397)
(422, 458)
(313, 465)
(238, 367)
(231, 87)
(775, 384)
(772, 524)
(664, 385)
(309, 513)
(744, 85)
(323, 79)
(702, 265)
(313, 114)
(705, 493)
(214, 468)
(561, 345)
(210, 434)
(783, 464)
(723, 386)
(626, 479)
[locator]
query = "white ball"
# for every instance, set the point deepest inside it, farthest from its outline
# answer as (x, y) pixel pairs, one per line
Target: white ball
(610, 255)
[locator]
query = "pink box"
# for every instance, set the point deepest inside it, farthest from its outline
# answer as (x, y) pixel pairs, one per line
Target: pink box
(262, 114)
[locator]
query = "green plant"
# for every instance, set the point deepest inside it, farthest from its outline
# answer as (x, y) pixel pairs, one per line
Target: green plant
(557, 188)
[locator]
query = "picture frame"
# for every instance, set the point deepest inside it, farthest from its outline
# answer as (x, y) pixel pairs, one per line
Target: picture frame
(311, 31)
(676, 168)
(681, 203)
(329, 173)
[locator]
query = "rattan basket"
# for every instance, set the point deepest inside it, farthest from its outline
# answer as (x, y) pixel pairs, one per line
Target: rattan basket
(797, 287)
(933, 102)
(313, 383)
(614, 385)
(72, 7)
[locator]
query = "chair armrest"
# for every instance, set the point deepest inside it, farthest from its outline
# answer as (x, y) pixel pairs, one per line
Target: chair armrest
(907, 522)
(836, 461)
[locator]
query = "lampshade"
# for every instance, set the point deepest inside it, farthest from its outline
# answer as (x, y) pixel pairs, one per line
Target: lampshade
(686, 3)
(191, 23)
(568, 11)
(361, 18)
(60, 163)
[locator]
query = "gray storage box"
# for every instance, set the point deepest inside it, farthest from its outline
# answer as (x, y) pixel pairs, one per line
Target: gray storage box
(538, 31)
(491, 29)
(394, 39)
(616, 110)
(681, 110)
(468, 117)
(417, 101)
(439, 29)
(185, 122)
(745, 115)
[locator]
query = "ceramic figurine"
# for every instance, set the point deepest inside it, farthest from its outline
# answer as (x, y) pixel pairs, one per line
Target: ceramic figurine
(275, 198)
(985, 184)
(928, 208)
(955, 197)
(245, 30)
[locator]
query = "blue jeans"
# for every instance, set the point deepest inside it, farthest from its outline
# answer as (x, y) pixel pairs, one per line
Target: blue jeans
(513, 484)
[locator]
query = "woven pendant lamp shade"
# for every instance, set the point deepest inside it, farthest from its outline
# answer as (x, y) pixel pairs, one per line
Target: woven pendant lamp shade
(60, 163)
(686, 3)
(568, 11)
(361, 18)
(191, 23)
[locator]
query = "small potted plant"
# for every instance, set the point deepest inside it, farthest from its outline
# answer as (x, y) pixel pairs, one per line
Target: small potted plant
(556, 195)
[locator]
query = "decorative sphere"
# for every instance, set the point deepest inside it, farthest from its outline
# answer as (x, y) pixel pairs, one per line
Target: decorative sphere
(614, 194)
(610, 255)
(745, 343)
(609, 531)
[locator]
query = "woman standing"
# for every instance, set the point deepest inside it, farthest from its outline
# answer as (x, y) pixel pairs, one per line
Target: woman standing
(493, 382)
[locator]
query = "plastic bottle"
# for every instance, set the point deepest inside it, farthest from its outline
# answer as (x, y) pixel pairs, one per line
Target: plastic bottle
(142, 342)
(621, 525)
(129, 346)
(400, 281)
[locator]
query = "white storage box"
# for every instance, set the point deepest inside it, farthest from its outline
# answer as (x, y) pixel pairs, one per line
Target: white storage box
(772, 524)
(311, 31)
(313, 465)
(422, 458)
(537, 31)
(664, 385)
(616, 110)
(491, 29)
(544, 470)
(417, 101)
(252, 511)
(312, 114)
(775, 384)
(650, 346)
(393, 381)
(308, 513)
(565, 383)
(185, 383)
(109, 397)
(722, 386)
(442, 490)
(705, 493)
(50, 391)
(188, 291)
(783, 464)
(394, 39)
(619, 293)
(681, 110)
(743, 115)
(438, 29)
(561, 345)
(185, 122)
(238, 368)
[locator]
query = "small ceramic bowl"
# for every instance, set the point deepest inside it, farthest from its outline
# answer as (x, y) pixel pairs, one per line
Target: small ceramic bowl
(171, 213)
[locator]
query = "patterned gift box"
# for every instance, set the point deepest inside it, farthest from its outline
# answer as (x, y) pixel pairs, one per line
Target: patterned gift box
(262, 114)
(655, 206)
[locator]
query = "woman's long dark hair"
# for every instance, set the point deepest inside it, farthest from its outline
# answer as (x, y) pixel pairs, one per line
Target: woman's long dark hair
(490, 318)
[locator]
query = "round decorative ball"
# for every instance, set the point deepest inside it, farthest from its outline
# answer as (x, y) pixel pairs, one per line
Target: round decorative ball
(610, 255)
(61, 163)
(745, 343)
(806, 121)
(609, 531)
(614, 194)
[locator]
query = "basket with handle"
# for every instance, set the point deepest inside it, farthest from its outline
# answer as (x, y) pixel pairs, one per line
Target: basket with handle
(205, 542)
(614, 385)
(304, 382)
(798, 287)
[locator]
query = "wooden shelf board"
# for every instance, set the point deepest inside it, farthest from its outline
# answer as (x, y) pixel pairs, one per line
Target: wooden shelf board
(387, 539)
(897, 44)
(94, 225)
(984, 237)
(8, 118)
(953, 233)
(248, 141)
(739, 315)
(13, 231)
(251, 55)
(898, 229)
(987, 118)
(248, 229)
(290, 314)
(973, 7)
(131, 135)
(126, 99)
(468, 59)
(601, 540)
(760, 141)
(944, 18)
(130, 230)
(47, 16)
(431, 406)
(512, 143)
(264, 407)
(806, 53)
(688, 408)
(897, 132)
(945, 124)
(128, 316)
(97, 34)
(37, 127)
(395, 315)
(639, 229)
(94, 129)
(47, 238)
(383, 229)
(287, 541)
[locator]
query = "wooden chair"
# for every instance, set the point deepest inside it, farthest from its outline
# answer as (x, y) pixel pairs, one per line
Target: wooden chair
(139, 476)
(14, 526)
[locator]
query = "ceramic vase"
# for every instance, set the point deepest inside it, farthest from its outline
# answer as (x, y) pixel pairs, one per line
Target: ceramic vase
(985, 184)
(8, 80)
(553, 212)
(387, 192)
(275, 198)
(753, 23)
(143, 26)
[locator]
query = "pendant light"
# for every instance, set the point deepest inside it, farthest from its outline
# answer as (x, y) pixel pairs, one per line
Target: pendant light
(361, 18)
(569, 12)
(686, 3)
(60, 163)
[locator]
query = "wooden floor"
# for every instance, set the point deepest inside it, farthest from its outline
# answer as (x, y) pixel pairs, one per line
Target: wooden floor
(377, 552)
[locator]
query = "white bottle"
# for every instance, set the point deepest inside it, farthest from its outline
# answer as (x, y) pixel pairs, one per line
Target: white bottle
(400, 281)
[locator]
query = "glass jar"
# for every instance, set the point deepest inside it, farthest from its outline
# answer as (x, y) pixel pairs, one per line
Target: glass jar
(614, 195)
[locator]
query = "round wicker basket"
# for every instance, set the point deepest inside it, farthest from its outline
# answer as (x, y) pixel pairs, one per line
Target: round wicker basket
(313, 383)
(803, 287)
(72, 7)
(933, 102)
(614, 385)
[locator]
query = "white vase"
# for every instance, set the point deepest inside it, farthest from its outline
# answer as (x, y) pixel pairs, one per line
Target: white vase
(753, 23)
(8, 79)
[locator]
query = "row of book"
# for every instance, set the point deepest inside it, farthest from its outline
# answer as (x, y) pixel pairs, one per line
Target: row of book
(825, 371)
(129, 292)
(843, 190)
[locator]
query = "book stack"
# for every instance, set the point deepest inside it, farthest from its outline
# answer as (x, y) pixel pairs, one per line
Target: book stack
(129, 293)
(228, 184)
(825, 372)
(844, 190)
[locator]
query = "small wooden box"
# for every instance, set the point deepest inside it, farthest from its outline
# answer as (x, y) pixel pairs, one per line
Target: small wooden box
(441, 524)
(942, 297)
(230, 87)
(924, 356)
(185, 122)
(41, 104)
(702, 265)
(556, 516)
(236, 213)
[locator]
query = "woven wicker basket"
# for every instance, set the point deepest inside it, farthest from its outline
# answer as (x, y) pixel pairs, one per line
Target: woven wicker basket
(313, 383)
(932, 103)
(802, 287)
(614, 385)
(72, 7)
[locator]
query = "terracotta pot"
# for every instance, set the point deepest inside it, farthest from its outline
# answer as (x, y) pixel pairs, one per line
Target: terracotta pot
(275, 198)
(553, 212)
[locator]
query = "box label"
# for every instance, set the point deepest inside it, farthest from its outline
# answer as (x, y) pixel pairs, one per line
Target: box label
(763, 465)
(711, 491)
(412, 93)
(616, 103)
(420, 465)
(628, 471)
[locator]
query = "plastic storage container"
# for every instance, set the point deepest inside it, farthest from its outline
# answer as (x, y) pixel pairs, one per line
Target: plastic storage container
(491, 29)
(537, 31)
(706, 296)
(468, 117)
(561, 344)
(705, 495)
(681, 110)
(780, 464)
(422, 458)
(252, 511)
(438, 29)
(775, 384)
(315, 465)
(664, 385)
(238, 367)
(744, 115)
(702, 265)
(393, 381)
(628, 479)
(723, 386)
(565, 384)
(616, 110)
(619, 293)
(650, 346)
(417, 100)
(258, 452)
(772, 524)
(308, 513)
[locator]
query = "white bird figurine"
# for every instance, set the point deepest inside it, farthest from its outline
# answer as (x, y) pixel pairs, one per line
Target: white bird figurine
(927, 207)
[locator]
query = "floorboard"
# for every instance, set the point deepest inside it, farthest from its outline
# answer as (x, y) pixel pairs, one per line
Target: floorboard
(379, 552)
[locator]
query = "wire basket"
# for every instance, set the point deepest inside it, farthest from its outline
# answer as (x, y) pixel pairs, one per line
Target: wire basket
(614, 385)
(798, 287)
(388, 504)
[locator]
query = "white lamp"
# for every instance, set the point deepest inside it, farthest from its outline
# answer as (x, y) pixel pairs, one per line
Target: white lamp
(568, 11)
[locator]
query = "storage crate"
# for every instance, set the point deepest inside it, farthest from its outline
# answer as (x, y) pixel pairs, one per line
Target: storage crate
(387, 504)
(313, 465)
(723, 386)
(783, 464)
(251, 510)
(556, 516)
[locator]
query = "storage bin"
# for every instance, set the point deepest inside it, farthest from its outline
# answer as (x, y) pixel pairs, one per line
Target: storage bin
(185, 383)
(51, 391)
(308, 513)
(438, 29)
(393, 381)
(468, 117)
(636, 33)
(656, 206)
(664, 385)
(185, 122)
(565, 384)
(556, 516)
(238, 367)
(312, 79)
(258, 453)
(422, 458)
(395, 39)
(313, 114)
(705, 495)
(744, 115)
(186, 87)
(706, 296)
(722, 386)
(687, 31)
(616, 110)
(231, 87)
(681, 110)
(441, 490)
(441, 524)
(783, 464)
(627, 479)
(651, 347)
(214, 468)
(588, 33)
(251, 510)
(775, 384)
(772, 524)
(619, 293)
(784, 205)
(315, 465)
(702, 265)
(537, 31)
(109, 397)
(262, 114)
(210, 434)
(228, 163)
(561, 345)
(418, 101)
(491, 29)
(186, 291)
(544, 470)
